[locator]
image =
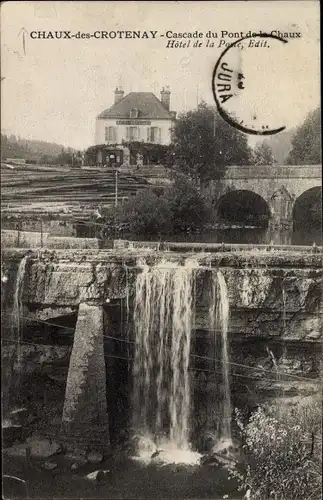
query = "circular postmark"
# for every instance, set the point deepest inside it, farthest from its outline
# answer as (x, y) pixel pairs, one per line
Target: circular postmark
(246, 84)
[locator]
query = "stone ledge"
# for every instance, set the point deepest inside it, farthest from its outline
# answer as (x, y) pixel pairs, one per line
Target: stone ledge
(250, 255)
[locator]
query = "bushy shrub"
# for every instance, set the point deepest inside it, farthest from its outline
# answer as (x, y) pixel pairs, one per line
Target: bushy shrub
(281, 460)
(146, 214)
(180, 208)
(189, 211)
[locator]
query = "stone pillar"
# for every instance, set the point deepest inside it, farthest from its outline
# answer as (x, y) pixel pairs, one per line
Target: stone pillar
(281, 222)
(85, 416)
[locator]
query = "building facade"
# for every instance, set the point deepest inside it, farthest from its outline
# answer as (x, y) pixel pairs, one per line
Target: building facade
(138, 116)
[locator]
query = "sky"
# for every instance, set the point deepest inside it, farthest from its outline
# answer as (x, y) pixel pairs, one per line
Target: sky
(53, 89)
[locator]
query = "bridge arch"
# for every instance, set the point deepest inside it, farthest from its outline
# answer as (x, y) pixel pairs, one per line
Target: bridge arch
(242, 216)
(307, 217)
(243, 206)
(279, 186)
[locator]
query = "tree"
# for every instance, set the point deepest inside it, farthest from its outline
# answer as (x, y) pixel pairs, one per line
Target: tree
(145, 214)
(179, 208)
(10, 148)
(204, 144)
(306, 143)
(189, 211)
(65, 157)
(263, 154)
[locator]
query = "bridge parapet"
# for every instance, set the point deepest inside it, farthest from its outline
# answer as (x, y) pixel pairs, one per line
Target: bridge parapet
(274, 172)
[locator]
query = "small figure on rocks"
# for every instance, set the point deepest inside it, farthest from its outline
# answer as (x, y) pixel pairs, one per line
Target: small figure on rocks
(156, 453)
(97, 475)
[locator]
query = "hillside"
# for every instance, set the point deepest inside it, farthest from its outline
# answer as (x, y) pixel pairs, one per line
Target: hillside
(13, 147)
(281, 144)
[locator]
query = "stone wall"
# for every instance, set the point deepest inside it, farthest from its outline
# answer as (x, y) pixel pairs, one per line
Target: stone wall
(64, 242)
(31, 222)
(273, 172)
(11, 238)
(275, 302)
(275, 297)
(270, 293)
(32, 239)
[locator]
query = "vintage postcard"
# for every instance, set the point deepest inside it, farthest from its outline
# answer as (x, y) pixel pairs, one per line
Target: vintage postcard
(161, 250)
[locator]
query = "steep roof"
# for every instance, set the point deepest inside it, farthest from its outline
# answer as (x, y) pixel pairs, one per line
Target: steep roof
(146, 102)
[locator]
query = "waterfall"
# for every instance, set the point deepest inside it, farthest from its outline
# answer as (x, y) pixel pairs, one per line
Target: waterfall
(17, 312)
(180, 353)
(218, 324)
(223, 320)
(163, 316)
(164, 312)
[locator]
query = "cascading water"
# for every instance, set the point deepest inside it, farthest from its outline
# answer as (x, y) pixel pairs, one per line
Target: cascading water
(163, 315)
(163, 320)
(17, 312)
(218, 324)
(14, 352)
(223, 321)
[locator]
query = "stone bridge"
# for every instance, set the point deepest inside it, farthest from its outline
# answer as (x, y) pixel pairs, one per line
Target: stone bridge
(282, 193)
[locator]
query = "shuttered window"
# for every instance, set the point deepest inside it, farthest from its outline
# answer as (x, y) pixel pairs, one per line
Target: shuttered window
(111, 134)
(132, 133)
(154, 134)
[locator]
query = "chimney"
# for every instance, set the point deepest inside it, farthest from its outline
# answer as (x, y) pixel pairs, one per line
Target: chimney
(165, 97)
(118, 94)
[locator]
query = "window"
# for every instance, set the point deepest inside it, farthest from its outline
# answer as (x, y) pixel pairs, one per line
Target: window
(132, 133)
(154, 134)
(134, 113)
(110, 134)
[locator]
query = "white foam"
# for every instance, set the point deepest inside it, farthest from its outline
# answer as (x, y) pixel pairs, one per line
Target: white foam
(166, 453)
(170, 454)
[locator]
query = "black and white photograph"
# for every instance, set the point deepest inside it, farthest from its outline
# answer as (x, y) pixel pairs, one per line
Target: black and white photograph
(161, 250)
